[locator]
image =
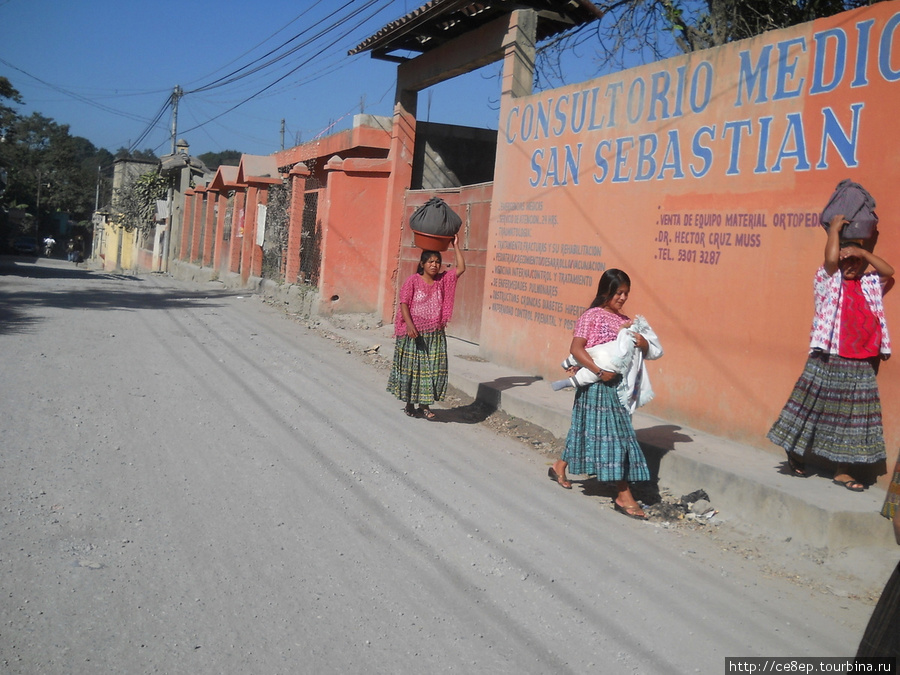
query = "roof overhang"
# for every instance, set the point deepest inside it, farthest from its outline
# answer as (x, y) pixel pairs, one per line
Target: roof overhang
(225, 179)
(440, 21)
(261, 169)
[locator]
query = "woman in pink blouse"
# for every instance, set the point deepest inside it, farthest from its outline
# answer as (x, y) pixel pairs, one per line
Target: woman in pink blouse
(601, 439)
(419, 371)
(834, 410)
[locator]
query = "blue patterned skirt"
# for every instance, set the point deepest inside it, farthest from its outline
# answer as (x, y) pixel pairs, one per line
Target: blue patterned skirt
(601, 439)
(834, 412)
(419, 371)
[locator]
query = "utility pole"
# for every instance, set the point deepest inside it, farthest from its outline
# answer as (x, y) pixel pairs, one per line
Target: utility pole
(282, 133)
(97, 195)
(177, 93)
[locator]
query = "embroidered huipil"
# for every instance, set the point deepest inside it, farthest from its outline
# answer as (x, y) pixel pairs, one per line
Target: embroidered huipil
(828, 322)
(430, 305)
(598, 325)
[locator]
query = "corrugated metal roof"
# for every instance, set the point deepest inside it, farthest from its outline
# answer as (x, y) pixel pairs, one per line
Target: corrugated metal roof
(439, 21)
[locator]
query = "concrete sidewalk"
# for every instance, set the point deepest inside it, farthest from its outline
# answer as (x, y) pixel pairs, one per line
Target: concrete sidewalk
(743, 482)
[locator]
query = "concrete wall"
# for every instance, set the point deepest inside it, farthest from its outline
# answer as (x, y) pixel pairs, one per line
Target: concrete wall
(449, 156)
(702, 177)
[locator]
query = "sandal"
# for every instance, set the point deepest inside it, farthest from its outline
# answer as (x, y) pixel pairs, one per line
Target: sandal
(410, 410)
(427, 413)
(850, 484)
(635, 511)
(796, 467)
(563, 482)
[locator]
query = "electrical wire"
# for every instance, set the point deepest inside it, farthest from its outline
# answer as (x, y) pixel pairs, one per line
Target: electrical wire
(234, 77)
(153, 124)
(320, 39)
(77, 97)
(299, 66)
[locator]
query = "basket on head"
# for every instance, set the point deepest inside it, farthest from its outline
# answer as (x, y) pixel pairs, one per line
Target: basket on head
(431, 242)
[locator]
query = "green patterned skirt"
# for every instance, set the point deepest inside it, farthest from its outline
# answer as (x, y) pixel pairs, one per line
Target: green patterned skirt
(834, 412)
(601, 439)
(419, 372)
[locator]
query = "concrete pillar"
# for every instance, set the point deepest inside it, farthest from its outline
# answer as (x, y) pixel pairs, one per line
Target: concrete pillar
(183, 251)
(195, 254)
(249, 242)
(219, 248)
(519, 53)
(238, 216)
(209, 222)
(299, 174)
(403, 141)
(256, 258)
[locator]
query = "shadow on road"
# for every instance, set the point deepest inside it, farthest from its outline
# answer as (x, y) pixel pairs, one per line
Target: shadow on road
(486, 403)
(18, 302)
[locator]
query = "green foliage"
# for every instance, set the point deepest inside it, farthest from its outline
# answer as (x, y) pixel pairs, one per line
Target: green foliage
(8, 91)
(48, 169)
(124, 153)
(225, 158)
(136, 203)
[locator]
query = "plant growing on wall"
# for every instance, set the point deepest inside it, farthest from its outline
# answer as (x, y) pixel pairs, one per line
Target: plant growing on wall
(275, 245)
(136, 203)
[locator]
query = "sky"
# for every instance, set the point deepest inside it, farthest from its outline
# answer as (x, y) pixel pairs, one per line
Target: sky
(108, 68)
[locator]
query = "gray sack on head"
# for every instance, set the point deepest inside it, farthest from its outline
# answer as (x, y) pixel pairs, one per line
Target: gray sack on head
(857, 206)
(435, 217)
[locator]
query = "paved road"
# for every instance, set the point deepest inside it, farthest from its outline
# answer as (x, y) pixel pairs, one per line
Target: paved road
(193, 482)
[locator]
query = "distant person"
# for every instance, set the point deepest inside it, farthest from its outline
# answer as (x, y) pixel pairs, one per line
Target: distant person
(70, 250)
(49, 243)
(834, 410)
(882, 635)
(601, 439)
(419, 371)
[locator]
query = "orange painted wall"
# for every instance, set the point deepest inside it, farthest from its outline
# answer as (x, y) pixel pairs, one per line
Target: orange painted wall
(702, 177)
(352, 235)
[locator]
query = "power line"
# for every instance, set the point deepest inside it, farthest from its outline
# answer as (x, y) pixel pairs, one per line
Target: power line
(77, 97)
(302, 63)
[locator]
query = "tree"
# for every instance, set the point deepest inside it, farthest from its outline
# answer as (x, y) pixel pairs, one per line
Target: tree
(47, 168)
(124, 153)
(225, 158)
(635, 32)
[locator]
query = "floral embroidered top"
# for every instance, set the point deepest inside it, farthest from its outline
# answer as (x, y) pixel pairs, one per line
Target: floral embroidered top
(430, 305)
(598, 325)
(830, 323)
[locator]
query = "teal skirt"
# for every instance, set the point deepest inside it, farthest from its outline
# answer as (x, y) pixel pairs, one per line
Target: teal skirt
(419, 371)
(601, 440)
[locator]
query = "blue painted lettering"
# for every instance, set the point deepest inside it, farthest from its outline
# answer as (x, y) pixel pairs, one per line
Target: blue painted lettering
(845, 144)
(839, 38)
(702, 151)
(795, 139)
(787, 69)
(646, 162)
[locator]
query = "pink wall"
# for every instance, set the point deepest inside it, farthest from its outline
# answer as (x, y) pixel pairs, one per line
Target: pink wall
(702, 177)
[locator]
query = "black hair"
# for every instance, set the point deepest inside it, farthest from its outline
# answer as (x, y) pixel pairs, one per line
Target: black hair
(424, 259)
(610, 282)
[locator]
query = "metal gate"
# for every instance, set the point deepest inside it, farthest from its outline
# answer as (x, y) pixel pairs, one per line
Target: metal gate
(311, 234)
